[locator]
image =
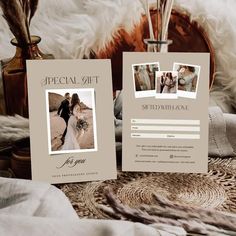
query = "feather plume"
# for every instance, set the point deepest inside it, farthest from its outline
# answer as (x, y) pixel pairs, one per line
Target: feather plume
(15, 17)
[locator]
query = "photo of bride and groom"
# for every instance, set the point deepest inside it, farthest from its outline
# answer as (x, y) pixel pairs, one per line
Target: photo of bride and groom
(166, 84)
(71, 120)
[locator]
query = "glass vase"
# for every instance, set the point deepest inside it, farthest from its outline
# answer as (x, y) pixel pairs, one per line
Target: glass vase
(15, 79)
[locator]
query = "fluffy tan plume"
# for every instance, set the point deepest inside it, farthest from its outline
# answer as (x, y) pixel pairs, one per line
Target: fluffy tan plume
(18, 14)
(33, 8)
(15, 17)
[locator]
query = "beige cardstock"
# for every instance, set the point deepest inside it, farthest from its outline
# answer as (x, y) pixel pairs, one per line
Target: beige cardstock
(167, 132)
(95, 158)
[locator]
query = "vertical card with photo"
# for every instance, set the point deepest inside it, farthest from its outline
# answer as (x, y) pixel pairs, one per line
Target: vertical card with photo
(167, 132)
(68, 107)
(144, 79)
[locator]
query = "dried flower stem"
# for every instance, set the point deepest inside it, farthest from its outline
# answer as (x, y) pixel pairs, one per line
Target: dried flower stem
(18, 14)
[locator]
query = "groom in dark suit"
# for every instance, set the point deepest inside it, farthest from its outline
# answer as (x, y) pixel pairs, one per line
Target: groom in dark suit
(64, 112)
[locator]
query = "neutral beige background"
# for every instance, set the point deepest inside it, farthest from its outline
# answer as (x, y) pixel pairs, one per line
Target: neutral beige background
(198, 110)
(99, 165)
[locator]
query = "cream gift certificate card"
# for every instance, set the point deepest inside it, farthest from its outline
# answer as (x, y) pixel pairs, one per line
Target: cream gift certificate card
(71, 120)
(165, 112)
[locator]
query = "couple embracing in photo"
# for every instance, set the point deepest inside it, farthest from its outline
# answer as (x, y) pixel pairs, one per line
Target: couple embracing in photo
(70, 111)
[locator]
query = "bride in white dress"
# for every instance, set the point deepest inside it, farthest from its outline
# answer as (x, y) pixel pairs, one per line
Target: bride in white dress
(144, 76)
(188, 78)
(170, 84)
(73, 134)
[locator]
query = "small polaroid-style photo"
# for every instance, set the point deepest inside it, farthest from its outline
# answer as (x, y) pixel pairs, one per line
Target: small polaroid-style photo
(71, 121)
(166, 84)
(188, 79)
(144, 79)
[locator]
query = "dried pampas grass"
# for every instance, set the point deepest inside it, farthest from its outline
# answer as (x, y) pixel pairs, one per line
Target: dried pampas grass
(18, 14)
(29, 8)
(15, 17)
(33, 9)
(192, 220)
